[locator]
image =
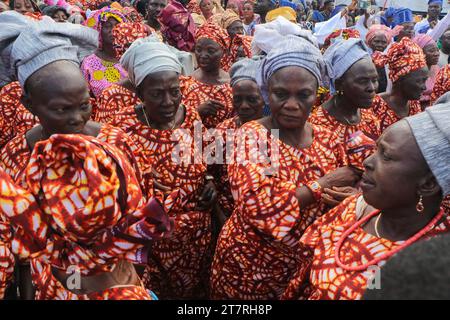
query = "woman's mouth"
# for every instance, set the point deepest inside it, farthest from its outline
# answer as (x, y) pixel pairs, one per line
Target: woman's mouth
(366, 183)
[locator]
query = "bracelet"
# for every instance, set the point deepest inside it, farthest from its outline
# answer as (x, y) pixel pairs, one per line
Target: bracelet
(315, 188)
(209, 177)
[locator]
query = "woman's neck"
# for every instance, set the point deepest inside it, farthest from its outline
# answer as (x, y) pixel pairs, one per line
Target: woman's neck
(249, 20)
(399, 224)
(343, 110)
(154, 23)
(106, 53)
(300, 137)
(398, 102)
(210, 76)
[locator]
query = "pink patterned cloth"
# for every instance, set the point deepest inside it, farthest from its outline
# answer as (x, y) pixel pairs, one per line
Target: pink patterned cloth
(101, 74)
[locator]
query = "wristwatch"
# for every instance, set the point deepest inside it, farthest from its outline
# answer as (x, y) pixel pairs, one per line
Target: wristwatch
(315, 188)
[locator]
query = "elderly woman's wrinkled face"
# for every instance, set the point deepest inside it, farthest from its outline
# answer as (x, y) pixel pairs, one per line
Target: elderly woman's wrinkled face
(161, 95)
(23, 6)
(247, 100)
(432, 54)
(107, 27)
(208, 54)
(413, 84)
(58, 96)
(360, 83)
(292, 93)
(235, 28)
(393, 173)
(379, 42)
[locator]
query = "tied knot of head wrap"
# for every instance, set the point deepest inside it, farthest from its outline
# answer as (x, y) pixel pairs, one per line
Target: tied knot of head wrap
(215, 33)
(341, 56)
(293, 51)
(147, 56)
(83, 207)
(402, 58)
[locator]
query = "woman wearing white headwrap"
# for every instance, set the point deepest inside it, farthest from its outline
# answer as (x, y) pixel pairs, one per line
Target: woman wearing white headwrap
(46, 61)
(161, 126)
(354, 81)
(276, 198)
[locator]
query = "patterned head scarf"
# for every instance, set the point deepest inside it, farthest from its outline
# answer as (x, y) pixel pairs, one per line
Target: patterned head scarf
(402, 58)
(147, 56)
(338, 35)
(378, 29)
(126, 33)
(98, 17)
(46, 41)
(297, 51)
(214, 32)
(402, 15)
(225, 19)
(342, 55)
(84, 207)
(244, 69)
(423, 40)
(177, 26)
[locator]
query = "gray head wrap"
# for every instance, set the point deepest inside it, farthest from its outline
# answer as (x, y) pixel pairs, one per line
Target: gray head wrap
(40, 43)
(244, 69)
(431, 130)
(292, 51)
(342, 55)
(147, 56)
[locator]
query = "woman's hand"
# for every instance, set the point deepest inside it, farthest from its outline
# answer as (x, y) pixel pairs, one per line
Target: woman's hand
(336, 195)
(341, 177)
(210, 108)
(208, 197)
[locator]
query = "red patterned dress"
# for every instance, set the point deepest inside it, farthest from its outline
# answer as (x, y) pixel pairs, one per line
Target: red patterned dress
(442, 84)
(111, 101)
(256, 253)
(195, 93)
(6, 257)
(387, 116)
(14, 159)
(318, 277)
(179, 266)
(369, 126)
(14, 117)
(224, 196)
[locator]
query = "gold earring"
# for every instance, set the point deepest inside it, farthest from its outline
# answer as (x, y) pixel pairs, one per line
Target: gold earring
(419, 206)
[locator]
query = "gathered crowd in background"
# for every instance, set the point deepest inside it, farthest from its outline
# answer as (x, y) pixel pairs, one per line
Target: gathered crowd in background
(243, 149)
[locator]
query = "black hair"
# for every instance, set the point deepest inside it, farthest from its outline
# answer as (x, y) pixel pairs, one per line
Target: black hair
(33, 4)
(141, 7)
(421, 271)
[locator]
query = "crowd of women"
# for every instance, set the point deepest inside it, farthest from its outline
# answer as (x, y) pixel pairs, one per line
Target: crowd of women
(329, 157)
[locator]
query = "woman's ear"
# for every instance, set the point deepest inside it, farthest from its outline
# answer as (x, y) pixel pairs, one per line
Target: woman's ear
(428, 186)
